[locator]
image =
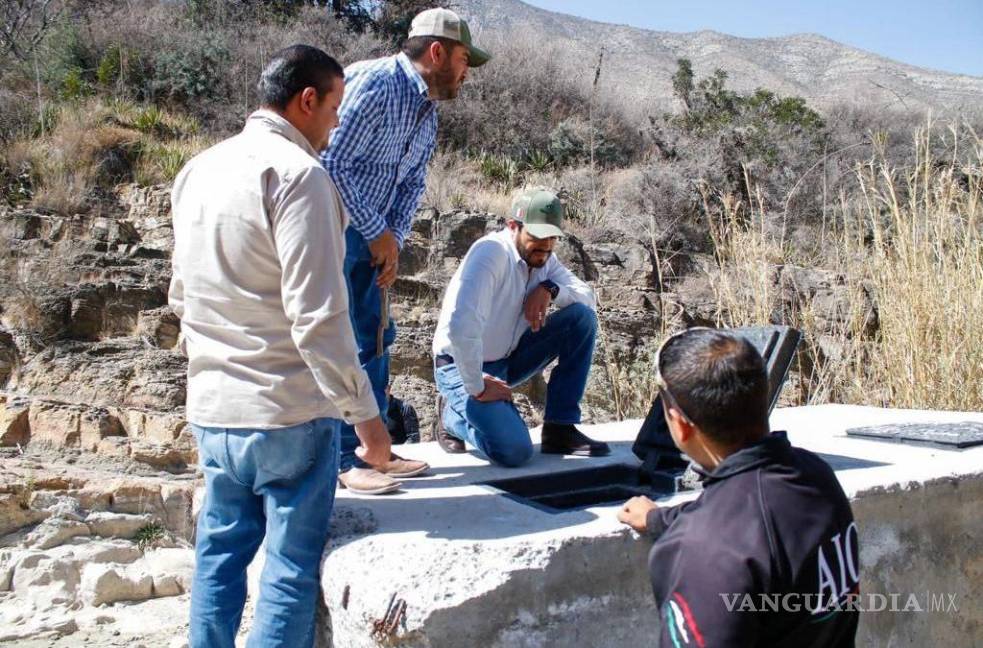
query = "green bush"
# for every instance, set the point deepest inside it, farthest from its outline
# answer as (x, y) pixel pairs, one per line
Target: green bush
(124, 68)
(500, 169)
(570, 144)
(151, 120)
(74, 86)
(195, 71)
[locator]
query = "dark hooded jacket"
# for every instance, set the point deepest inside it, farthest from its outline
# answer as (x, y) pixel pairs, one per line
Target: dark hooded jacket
(766, 556)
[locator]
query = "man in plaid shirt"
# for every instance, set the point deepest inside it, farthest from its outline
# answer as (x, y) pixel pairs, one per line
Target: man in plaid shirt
(378, 159)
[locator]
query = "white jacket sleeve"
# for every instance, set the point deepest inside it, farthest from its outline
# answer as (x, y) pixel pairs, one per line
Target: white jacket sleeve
(175, 293)
(572, 288)
(308, 230)
(471, 308)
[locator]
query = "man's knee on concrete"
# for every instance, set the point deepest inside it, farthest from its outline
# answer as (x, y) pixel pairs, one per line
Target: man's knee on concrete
(512, 455)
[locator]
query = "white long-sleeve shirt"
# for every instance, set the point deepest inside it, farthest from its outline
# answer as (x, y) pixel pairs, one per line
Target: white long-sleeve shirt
(258, 284)
(481, 318)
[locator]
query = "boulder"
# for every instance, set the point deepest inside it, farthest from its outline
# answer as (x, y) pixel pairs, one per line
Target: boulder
(15, 428)
(56, 424)
(6, 570)
(110, 583)
(85, 551)
(159, 326)
(8, 357)
(122, 372)
(46, 581)
(159, 427)
(172, 570)
(454, 232)
(15, 513)
(116, 525)
(55, 531)
(162, 456)
(109, 310)
(57, 504)
(97, 424)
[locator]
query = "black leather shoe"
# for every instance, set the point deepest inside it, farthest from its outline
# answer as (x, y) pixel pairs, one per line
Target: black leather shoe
(447, 441)
(568, 440)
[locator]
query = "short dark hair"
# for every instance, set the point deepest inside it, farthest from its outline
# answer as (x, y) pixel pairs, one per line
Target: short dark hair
(417, 46)
(720, 382)
(294, 68)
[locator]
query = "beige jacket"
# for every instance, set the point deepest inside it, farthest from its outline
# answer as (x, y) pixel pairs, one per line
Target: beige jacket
(259, 285)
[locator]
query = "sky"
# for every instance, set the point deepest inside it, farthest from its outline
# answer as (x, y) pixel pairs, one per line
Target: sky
(937, 34)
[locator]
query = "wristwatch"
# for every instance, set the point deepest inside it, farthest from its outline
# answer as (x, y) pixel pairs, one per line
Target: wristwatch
(553, 289)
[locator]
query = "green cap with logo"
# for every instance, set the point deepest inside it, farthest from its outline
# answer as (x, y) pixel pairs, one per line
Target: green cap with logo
(447, 24)
(540, 212)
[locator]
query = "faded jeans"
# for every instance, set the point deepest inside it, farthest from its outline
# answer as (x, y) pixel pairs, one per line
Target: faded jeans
(274, 484)
(364, 304)
(496, 428)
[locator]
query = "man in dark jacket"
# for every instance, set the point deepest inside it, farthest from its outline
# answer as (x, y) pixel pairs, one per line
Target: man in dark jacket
(767, 555)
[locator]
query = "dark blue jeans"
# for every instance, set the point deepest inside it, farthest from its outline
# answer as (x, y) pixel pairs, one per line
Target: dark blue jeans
(496, 428)
(364, 302)
(273, 484)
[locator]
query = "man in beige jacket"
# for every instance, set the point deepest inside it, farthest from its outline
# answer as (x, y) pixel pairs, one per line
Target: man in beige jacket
(273, 367)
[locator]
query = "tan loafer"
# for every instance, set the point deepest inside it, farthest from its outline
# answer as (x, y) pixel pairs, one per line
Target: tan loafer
(399, 468)
(368, 481)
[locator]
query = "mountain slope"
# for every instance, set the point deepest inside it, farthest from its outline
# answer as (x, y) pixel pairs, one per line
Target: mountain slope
(639, 63)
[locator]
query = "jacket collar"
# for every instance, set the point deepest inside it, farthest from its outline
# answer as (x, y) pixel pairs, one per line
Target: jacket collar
(271, 122)
(417, 81)
(774, 448)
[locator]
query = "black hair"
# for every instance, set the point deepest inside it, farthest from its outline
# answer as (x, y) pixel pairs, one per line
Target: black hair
(417, 46)
(294, 68)
(720, 382)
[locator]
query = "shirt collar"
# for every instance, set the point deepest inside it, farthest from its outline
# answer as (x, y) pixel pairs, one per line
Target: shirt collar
(404, 62)
(272, 122)
(509, 240)
(774, 448)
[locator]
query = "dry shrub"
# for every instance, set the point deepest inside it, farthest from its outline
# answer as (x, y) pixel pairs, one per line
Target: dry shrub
(912, 242)
(925, 266)
(86, 150)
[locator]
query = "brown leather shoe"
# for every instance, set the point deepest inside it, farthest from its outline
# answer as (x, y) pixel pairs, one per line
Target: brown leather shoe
(368, 481)
(399, 468)
(447, 441)
(450, 443)
(565, 439)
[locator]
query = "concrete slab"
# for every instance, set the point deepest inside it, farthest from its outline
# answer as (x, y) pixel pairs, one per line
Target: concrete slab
(477, 568)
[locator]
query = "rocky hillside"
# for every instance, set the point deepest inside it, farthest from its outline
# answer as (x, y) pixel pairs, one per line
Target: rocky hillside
(639, 63)
(87, 360)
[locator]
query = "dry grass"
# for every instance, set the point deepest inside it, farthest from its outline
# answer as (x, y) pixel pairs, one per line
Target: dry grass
(925, 267)
(95, 145)
(912, 242)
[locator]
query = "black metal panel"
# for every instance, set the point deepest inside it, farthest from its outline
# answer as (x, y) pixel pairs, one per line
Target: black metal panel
(777, 345)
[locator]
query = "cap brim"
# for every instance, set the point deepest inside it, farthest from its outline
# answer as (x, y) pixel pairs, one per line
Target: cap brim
(477, 56)
(543, 230)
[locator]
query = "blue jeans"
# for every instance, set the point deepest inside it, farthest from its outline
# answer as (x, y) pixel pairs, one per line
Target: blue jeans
(496, 428)
(278, 484)
(364, 301)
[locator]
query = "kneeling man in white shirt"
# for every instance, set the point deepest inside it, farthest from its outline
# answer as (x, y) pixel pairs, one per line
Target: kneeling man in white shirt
(495, 333)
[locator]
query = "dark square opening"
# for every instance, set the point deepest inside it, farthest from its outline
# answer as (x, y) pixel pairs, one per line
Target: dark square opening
(577, 489)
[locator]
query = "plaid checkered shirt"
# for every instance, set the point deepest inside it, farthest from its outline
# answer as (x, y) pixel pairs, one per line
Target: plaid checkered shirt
(379, 152)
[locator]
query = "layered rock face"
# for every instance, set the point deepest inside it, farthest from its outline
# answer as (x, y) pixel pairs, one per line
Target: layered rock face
(87, 342)
(87, 360)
